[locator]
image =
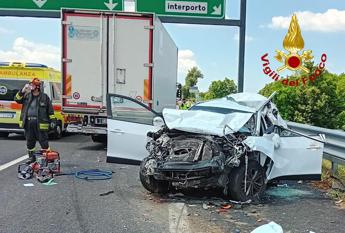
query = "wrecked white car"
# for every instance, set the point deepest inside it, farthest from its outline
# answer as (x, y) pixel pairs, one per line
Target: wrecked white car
(237, 143)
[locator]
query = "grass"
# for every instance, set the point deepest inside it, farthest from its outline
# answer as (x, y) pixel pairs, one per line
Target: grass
(326, 182)
(327, 166)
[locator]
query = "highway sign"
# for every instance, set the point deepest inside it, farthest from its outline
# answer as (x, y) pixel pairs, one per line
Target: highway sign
(56, 5)
(189, 8)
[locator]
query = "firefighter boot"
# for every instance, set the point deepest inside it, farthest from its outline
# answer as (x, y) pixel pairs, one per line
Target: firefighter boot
(32, 156)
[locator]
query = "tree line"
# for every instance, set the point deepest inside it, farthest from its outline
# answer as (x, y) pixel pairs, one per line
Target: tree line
(320, 102)
(217, 89)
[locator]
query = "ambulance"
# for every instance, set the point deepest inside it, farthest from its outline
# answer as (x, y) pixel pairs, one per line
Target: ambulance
(13, 76)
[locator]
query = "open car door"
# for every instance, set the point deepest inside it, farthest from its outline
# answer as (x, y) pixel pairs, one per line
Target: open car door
(128, 123)
(297, 157)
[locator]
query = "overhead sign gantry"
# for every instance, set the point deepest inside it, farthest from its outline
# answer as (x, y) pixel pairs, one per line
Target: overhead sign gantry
(38, 7)
(206, 12)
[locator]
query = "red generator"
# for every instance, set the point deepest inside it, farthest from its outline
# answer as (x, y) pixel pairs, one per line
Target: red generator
(48, 160)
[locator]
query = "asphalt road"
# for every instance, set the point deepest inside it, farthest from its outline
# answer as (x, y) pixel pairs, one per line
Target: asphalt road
(74, 205)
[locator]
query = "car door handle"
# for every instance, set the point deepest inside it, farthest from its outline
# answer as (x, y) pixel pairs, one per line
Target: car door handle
(118, 131)
(312, 147)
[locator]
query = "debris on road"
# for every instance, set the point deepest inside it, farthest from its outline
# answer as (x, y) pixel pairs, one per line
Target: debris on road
(271, 227)
(226, 207)
(172, 195)
(220, 210)
(29, 185)
(106, 193)
(205, 206)
(50, 182)
(287, 193)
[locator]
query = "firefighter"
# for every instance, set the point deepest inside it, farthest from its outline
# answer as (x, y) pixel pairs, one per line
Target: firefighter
(37, 115)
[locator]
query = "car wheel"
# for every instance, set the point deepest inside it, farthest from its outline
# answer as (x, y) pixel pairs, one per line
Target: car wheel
(255, 183)
(150, 183)
(4, 134)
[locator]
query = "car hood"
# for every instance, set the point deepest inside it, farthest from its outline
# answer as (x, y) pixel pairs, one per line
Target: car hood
(203, 122)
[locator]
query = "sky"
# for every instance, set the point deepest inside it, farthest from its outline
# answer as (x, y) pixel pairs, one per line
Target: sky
(213, 49)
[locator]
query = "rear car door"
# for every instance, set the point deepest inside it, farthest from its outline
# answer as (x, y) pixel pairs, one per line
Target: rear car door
(297, 157)
(128, 123)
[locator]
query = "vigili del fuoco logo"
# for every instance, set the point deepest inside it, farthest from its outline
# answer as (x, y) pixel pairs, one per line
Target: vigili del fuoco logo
(293, 59)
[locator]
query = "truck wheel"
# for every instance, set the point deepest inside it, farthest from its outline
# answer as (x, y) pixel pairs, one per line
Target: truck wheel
(4, 134)
(255, 183)
(58, 131)
(150, 183)
(99, 138)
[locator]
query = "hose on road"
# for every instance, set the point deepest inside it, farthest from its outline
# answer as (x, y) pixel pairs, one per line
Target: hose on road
(92, 174)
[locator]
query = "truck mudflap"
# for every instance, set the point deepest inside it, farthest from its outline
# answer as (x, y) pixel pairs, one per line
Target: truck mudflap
(72, 128)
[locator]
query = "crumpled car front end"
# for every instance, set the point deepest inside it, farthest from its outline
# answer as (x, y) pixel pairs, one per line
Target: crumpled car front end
(236, 144)
(181, 160)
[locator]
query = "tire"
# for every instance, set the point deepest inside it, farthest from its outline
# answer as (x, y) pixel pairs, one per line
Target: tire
(256, 182)
(4, 134)
(150, 183)
(99, 138)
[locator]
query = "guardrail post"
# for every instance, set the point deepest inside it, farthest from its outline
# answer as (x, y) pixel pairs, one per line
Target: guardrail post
(334, 168)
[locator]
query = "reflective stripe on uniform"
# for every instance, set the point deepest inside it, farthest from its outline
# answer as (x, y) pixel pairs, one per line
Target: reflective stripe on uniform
(44, 126)
(52, 117)
(33, 149)
(18, 97)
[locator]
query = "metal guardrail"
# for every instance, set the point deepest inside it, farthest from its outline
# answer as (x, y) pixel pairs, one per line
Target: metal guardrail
(335, 142)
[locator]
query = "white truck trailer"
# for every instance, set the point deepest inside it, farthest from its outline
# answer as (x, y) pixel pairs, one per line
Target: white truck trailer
(129, 54)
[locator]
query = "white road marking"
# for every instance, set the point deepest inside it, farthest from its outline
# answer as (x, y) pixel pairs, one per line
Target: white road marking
(13, 162)
(178, 222)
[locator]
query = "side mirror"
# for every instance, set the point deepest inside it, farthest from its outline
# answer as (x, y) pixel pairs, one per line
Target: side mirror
(158, 122)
